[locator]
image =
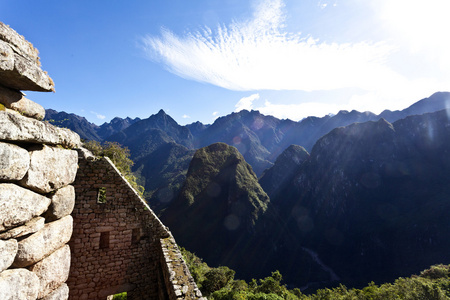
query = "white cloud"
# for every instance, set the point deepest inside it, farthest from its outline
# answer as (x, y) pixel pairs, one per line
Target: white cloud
(246, 102)
(256, 54)
(99, 116)
(186, 117)
(215, 114)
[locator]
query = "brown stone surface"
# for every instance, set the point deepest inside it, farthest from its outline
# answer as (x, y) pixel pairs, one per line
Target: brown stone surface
(19, 205)
(53, 236)
(116, 245)
(19, 63)
(52, 270)
(32, 226)
(18, 284)
(62, 204)
(61, 293)
(50, 168)
(16, 100)
(8, 250)
(23, 129)
(14, 162)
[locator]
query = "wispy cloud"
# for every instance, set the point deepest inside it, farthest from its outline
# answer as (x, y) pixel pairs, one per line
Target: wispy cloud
(186, 117)
(246, 102)
(99, 116)
(258, 54)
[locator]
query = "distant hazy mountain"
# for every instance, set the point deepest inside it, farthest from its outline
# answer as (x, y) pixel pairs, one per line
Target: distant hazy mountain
(141, 137)
(87, 131)
(370, 202)
(117, 124)
(259, 138)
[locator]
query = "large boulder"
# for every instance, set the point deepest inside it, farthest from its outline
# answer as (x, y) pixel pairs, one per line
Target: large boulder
(14, 162)
(19, 63)
(19, 205)
(8, 250)
(17, 101)
(41, 244)
(25, 129)
(50, 168)
(52, 270)
(62, 204)
(18, 284)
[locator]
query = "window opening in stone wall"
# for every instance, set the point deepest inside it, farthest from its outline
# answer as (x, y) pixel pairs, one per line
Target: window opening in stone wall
(104, 240)
(135, 235)
(101, 195)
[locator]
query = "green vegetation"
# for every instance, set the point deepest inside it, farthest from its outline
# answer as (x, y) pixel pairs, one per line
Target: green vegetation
(219, 284)
(120, 156)
(121, 296)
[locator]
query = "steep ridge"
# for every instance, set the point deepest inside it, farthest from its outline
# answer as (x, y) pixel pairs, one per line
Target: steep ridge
(276, 177)
(117, 124)
(163, 172)
(372, 198)
(85, 129)
(218, 205)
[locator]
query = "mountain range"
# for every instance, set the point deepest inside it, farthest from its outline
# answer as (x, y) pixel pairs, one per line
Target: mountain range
(353, 197)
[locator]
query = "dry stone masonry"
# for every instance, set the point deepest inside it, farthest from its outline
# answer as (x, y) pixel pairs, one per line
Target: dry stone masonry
(37, 165)
(52, 191)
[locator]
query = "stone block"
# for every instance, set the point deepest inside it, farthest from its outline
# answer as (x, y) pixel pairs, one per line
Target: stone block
(19, 205)
(61, 293)
(14, 162)
(8, 250)
(50, 168)
(15, 100)
(52, 270)
(18, 284)
(62, 203)
(19, 65)
(18, 43)
(53, 236)
(20, 128)
(32, 226)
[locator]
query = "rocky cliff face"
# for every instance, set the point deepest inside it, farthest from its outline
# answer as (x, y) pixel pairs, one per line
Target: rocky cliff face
(37, 166)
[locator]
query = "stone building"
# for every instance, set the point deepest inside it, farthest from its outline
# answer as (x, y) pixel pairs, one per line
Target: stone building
(52, 192)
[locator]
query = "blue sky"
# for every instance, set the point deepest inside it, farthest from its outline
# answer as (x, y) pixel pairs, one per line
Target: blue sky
(202, 59)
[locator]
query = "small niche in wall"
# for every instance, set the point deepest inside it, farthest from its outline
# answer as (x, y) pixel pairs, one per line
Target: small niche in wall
(104, 240)
(135, 235)
(101, 195)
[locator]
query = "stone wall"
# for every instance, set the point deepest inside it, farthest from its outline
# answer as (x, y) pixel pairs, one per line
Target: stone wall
(116, 242)
(37, 167)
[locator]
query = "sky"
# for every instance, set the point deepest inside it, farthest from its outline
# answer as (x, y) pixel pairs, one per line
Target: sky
(199, 60)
